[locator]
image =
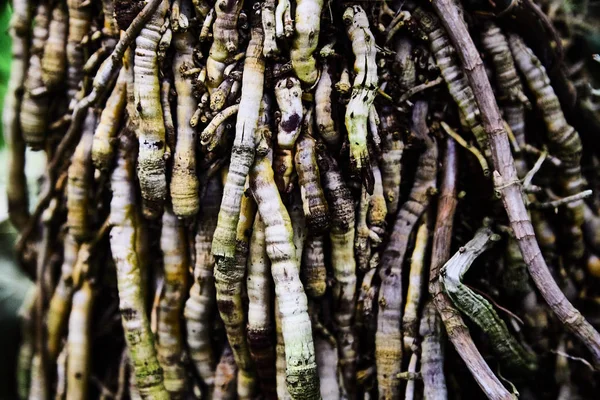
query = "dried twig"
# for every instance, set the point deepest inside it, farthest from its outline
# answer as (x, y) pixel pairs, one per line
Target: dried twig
(562, 201)
(419, 88)
(455, 326)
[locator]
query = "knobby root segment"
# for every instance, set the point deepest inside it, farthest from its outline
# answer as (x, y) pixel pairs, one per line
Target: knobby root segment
(208, 136)
(283, 165)
(54, 61)
(268, 24)
(307, 24)
(496, 44)
(362, 247)
(225, 40)
(288, 94)
(80, 19)
(314, 272)
(284, 24)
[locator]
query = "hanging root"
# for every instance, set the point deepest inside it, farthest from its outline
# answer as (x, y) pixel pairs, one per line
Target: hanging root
(60, 302)
(391, 158)
(313, 272)
(169, 336)
(184, 183)
(229, 276)
(225, 377)
(313, 200)
(327, 361)
(33, 116)
(364, 90)
(199, 308)
(110, 120)
(458, 84)
(149, 116)
(80, 178)
(243, 146)
(564, 141)
(80, 20)
(301, 369)
(16, 190)
(125, 230)
(388, 339)
(341, 236)
(24, 364)
(280, 363)
(54, 62)
(324, 109)
(260, 330)
(432, 354)
(410, 318)
(78, 345)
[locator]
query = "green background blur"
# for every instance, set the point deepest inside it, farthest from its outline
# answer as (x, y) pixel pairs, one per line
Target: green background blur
(4, 55)
(13, 285)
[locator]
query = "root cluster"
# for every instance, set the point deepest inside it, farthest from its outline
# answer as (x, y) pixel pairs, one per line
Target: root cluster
(262, 199)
